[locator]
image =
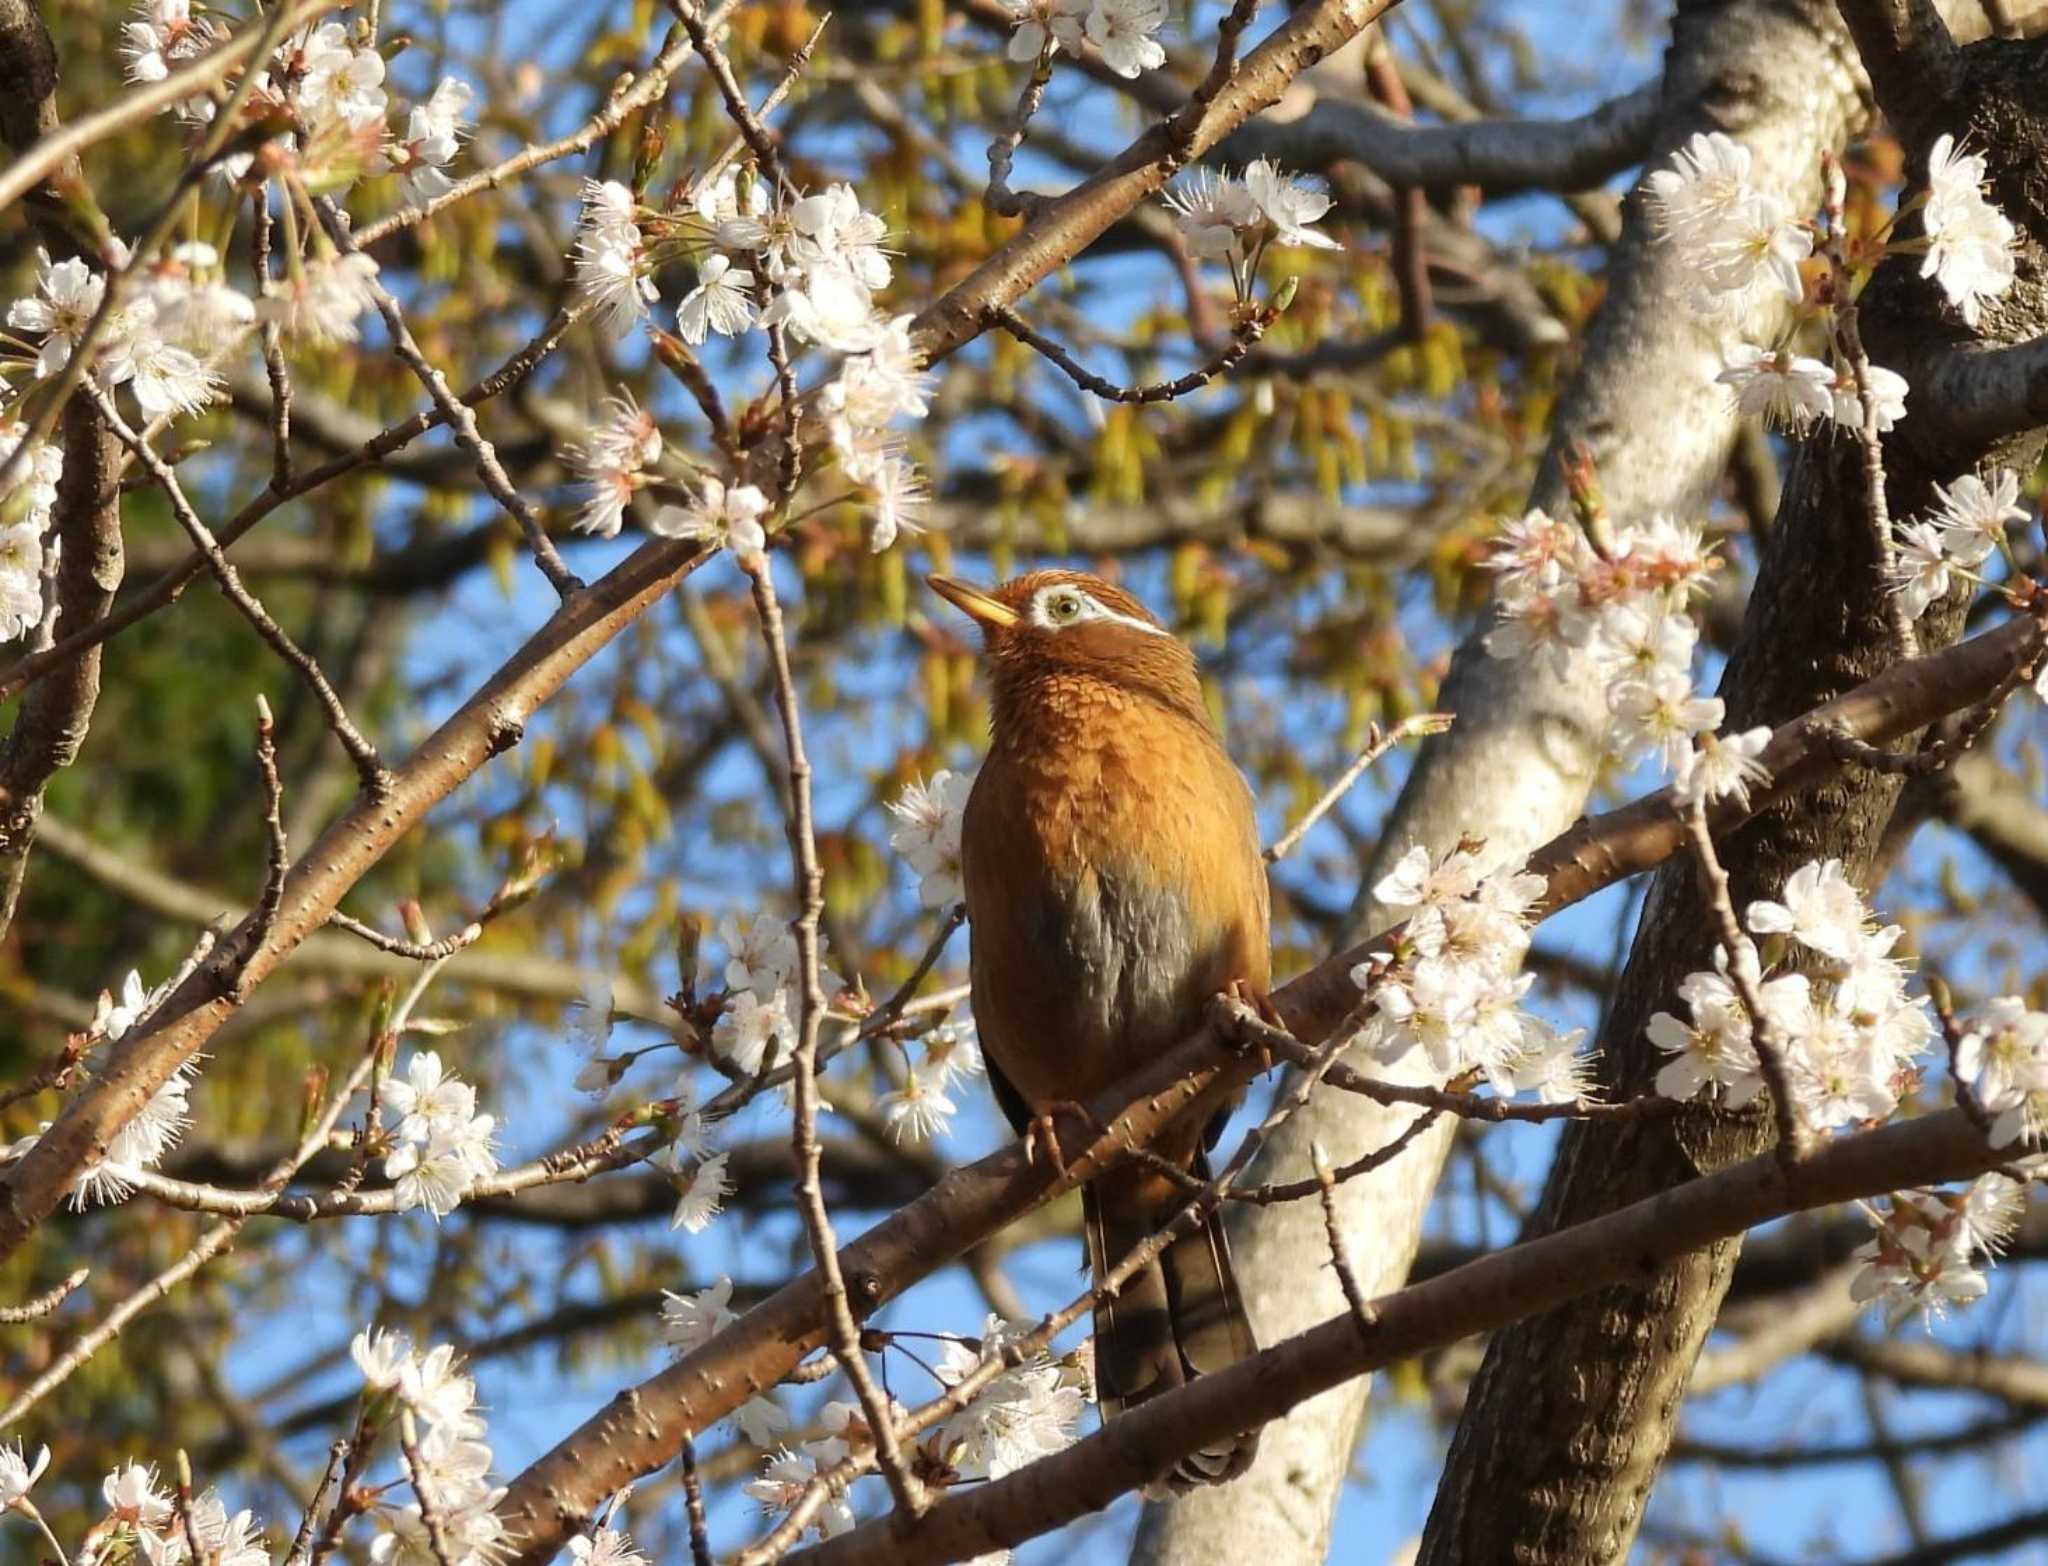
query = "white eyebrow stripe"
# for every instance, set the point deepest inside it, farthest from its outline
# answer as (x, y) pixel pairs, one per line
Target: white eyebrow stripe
(1128, 619)
(1093, 608)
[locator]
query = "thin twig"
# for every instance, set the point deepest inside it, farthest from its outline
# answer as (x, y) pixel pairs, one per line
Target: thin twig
(430, 1507)
(1877, 508)
(1340, 1253)
(274, 367)
(459, 416)
(693, 1505)
(1377, 744)
(1242, 339)
(369, 769)
(44, 1303)
(414, 951)
(300, 1551)
(1240, 1025)
(1952, 1035)
(790, 467)
(791, 74)
(737, 109)
(1002, 150)
(843, 1328)
(1765, 1036)
(273, 819)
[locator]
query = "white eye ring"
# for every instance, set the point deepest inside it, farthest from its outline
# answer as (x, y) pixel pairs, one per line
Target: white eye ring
(1055, 608)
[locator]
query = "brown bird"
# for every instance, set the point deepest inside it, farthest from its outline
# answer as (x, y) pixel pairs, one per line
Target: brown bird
(1114, 886)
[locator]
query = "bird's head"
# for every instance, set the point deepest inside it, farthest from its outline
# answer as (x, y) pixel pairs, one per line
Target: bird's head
(1051, 623)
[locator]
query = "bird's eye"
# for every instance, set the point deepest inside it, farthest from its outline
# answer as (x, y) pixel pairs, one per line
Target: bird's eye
(1065, 606)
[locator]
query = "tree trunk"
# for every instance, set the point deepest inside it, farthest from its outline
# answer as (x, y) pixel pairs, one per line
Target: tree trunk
(1570, 1416)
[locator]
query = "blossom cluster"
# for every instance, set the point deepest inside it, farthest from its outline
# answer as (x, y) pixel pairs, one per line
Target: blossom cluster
(1232, 221)
(1023, 1413)
(153, 1131)
(1124, 32)
(149, 342)
(808, 266)
(328, 87)
(1849, 1029)
(179, 318)
(2004, 1058)
(1453, 989)
(443, 1142)
(1967, 523)
(1026, 1412)
(142, 1520)
(450, 1461)
(1931, 1247)
(1624, 606)
(927, 833)
(697, 1172)
(1741, 247)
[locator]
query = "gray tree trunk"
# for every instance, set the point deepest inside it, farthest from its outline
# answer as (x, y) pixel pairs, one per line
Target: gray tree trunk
(1519, 764)
(1568, 1421)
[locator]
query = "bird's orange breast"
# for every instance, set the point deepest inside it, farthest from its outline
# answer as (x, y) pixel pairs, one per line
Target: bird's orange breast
(1114, 884)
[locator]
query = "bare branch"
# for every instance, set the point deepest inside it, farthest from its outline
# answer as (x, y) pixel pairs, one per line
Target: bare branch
(1499, 156)
(369, 769)
(1241, 341)
(1908, 51)
(458, 415)
(1973, 393)
(44, 1303)
(1377, 744)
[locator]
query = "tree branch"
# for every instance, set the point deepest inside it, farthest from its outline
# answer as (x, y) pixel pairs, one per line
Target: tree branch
(1484, 1295)
(51, 727)
(1499, 156)
(492, 720)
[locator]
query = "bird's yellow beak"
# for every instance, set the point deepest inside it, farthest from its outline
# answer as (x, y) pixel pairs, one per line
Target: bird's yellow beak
(973, 602)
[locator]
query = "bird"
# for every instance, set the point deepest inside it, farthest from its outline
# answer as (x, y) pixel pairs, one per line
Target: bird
(1114, 886)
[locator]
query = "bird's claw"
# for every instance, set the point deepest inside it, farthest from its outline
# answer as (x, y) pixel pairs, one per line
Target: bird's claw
(1261, 1003)
(1044, 1131)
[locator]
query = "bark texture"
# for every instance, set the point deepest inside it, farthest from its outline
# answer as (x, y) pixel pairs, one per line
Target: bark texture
(1571, 1414)
(1782, 79)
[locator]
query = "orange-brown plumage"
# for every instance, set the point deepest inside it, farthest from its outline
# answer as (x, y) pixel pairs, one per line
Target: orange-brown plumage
(1114, 885)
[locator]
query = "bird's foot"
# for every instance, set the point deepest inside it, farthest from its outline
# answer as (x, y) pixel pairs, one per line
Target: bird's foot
(1043, 1132)
(1261, 1003)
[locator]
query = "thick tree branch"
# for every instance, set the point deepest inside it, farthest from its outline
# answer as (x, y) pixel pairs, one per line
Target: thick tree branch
(491, 720)
(1975, 393)
(1908, 51)
(1483, 1296)
(50, 729)
(1499, 156)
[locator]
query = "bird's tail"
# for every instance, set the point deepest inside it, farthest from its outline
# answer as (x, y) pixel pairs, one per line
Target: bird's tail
(1178, 1317)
